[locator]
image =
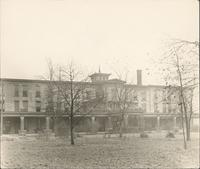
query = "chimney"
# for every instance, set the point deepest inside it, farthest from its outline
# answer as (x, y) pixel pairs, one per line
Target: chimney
(139, 77)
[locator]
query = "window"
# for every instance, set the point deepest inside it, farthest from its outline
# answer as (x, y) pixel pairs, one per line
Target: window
(173, 98)
(156, 108)
(143, 96)
(144, 107)
(66, 109)
(135, 98)
(88, 95)
(174, 108)
(169, 99)
(25, 106)
(114, 93)
(16, 92)
(164, 107)
(25, 93)
(17, 106)
(2, 104)
(135, 105)
(37, 94)
(99, 93)
(169, 108)
(38, 106)
(155, 96)
(113, 106)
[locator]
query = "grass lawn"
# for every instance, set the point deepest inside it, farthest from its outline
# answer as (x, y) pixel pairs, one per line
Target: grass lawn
(98, 152)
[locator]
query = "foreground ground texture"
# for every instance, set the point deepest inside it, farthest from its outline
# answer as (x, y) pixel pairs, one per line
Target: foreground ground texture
(96, 152)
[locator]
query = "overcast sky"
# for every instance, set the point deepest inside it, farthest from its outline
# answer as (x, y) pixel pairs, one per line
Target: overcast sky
(112, 34)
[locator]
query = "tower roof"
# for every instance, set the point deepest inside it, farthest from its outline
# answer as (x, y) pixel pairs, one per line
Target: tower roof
(96, 77)
(99, 74)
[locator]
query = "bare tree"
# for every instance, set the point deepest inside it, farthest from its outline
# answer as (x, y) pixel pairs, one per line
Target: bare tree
(122, 99)
(72, 94)
(2, 105)
(51, 107)
(180, 68)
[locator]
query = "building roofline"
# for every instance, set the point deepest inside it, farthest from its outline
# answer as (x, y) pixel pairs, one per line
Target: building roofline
(102, 74)
(36, 80)
(23, 80)
(105, 82)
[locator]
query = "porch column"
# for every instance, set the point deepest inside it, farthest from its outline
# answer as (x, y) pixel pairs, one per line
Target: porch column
(93, 124)
(158, 122)
(174, 122)
(47, 123)
(21, 123)
(1, 124)
(141, 122)
(93, 120)
(22, 131)
(126, 121)
(109, 122)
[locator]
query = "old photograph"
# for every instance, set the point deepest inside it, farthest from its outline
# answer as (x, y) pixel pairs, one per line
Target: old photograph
(99, 84)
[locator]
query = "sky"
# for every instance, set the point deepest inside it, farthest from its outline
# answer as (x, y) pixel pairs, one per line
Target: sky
(115, 35)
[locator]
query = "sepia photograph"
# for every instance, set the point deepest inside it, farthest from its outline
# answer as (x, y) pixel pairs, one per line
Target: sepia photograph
(99, 84)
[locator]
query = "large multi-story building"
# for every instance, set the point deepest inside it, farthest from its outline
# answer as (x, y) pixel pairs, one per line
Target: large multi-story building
(24, 107)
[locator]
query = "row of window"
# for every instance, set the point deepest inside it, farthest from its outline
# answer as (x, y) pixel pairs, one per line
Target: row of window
(25, 106)
(166, 108)
(99, 78)
(25, 93)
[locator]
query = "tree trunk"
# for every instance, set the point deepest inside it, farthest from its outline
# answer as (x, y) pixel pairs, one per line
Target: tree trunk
(55, 121)
(141, 125)
(186, 121)
(182, 120)
(188, 131)
(72, 111)
(121, 126)
(183, 103)
(120, 131)
(54, 124)
(190, 115)
(71, 130)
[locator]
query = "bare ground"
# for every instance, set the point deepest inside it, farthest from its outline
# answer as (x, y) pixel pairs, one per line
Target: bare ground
(96, 152)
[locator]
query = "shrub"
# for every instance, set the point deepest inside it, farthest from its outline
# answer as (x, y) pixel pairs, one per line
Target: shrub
(77, 135)
(170, 135)
(7, 139)
(144, 135)
(176, 130)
